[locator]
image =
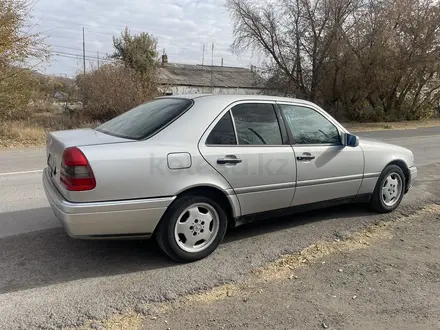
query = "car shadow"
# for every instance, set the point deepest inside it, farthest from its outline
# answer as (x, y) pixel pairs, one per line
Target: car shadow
(264, 227)
(49, 257)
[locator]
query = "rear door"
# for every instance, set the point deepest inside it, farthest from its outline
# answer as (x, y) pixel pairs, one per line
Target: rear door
(248, 146)
(326, 169)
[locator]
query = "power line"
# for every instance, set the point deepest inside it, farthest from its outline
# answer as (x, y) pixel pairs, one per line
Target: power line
(64, 37)
(80, 56)
(78, 30)
(57, 14)
(72, 48)
(89, 25)
(94, 40)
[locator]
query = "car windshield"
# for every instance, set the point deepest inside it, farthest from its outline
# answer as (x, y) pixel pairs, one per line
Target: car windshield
(146, 119)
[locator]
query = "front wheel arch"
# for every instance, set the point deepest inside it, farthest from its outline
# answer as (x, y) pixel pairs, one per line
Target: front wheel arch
(376, 202)
(404, 167)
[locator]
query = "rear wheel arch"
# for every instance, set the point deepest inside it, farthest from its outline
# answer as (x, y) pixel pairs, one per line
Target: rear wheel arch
(216, 194)
(197, 197)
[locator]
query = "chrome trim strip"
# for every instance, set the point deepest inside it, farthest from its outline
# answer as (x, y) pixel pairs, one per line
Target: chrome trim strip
(288, 185)
(329, 180)
(233, 125)
(229, 191)
(371, 175)
(276, 186)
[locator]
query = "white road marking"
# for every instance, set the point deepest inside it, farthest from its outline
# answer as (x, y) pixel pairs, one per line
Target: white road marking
(22, 172)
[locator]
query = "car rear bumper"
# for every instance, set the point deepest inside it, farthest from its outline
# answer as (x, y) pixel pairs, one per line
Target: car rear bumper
(412, 176)
(115, 219)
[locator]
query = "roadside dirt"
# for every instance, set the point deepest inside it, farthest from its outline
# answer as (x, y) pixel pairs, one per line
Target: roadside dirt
(398, 125)
(385, 277)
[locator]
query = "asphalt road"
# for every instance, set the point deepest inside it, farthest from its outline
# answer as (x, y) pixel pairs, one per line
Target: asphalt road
(48, 280)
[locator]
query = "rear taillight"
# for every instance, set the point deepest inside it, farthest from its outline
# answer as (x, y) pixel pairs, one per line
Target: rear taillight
(76, 173)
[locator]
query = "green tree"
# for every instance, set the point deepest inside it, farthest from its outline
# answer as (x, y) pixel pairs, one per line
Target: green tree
(137, 52)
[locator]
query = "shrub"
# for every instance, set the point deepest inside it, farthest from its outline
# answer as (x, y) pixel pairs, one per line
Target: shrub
(113, 89)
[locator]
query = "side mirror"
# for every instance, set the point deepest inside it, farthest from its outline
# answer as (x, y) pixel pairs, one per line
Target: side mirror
(350, 140)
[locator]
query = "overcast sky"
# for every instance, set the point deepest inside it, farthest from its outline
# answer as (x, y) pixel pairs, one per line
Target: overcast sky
(181, 27)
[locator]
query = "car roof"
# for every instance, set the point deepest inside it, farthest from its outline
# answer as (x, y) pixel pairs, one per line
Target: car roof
(236, 97)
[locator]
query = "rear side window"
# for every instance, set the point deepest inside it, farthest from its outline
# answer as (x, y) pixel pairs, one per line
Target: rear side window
(256, 124)
(223, 132)
(146, 119)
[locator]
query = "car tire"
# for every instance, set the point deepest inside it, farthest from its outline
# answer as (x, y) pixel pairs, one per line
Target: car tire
(391, 183)
(182, 218)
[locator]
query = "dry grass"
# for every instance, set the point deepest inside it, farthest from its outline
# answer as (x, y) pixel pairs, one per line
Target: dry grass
(21, 134)
(32, 132)
(363, 127)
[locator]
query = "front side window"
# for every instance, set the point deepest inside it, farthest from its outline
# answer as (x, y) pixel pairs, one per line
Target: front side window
(146, 119)
(309, 126)
(256, 124)
(223, 132)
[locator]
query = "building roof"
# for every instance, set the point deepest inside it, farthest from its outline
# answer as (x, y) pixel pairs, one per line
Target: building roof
(200, 75)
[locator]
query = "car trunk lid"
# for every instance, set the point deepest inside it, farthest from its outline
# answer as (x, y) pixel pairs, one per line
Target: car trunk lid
(58, 141)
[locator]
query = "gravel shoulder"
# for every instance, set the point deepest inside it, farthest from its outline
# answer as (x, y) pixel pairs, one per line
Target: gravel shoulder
(384, 277)
(390, 126)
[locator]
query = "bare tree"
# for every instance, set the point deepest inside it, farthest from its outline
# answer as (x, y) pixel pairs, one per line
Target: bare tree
(362, 59)
(111, 90)
(296, 34)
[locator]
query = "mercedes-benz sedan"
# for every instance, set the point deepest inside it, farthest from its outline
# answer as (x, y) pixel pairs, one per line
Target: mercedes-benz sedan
(184, 169)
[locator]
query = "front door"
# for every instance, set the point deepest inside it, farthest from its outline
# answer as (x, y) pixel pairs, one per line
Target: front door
(247, 147)
(326, 170)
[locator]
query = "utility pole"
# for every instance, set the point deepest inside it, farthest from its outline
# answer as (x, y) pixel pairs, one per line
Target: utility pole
(203, 55)
(98, 57)
(212, 69)
(84, 52)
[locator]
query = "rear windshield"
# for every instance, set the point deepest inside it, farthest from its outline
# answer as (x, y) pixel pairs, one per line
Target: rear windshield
(146, 119)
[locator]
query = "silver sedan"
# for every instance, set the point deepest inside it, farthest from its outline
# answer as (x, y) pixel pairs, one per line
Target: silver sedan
(184, 169)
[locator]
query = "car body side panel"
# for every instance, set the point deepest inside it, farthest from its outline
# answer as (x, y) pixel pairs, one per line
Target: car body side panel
(336, 172)
(368, 185)
(377, 156)
(264, 180)
(140, 170)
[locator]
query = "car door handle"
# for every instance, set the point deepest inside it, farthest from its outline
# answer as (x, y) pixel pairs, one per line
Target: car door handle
(305, 156)
(229, 159)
